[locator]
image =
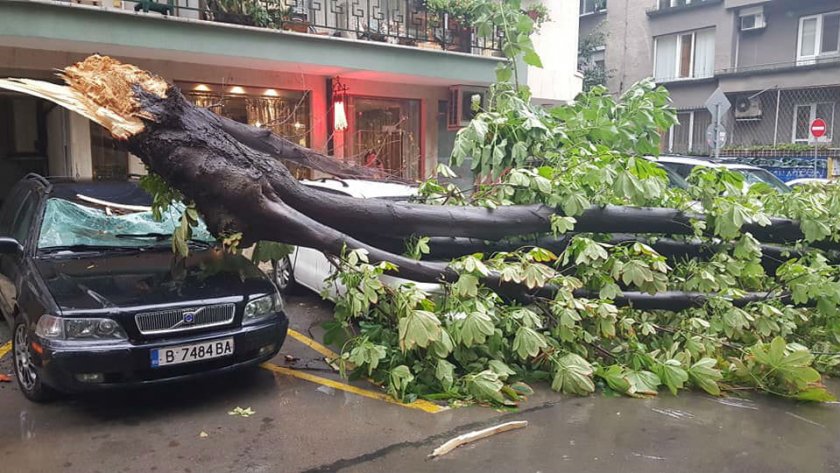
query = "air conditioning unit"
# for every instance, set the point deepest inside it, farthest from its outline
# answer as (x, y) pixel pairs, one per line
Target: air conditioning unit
(747, 108)
(752, 19)
(460, 110)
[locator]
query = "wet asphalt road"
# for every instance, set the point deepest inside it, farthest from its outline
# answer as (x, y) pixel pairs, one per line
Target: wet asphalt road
(302, 426)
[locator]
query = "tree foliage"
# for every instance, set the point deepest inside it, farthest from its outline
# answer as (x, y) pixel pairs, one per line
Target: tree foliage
(470, 342)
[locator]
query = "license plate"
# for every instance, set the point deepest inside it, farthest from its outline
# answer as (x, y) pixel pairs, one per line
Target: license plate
(190, 353)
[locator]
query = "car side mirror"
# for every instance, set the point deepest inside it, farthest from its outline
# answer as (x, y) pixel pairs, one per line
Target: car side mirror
(10, 246)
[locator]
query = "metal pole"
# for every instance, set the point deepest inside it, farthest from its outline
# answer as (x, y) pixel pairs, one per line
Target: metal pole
(816, 175)
(716, 139)
(776, 126)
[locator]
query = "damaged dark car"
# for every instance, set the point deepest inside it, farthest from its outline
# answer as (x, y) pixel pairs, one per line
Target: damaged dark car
(96, 298)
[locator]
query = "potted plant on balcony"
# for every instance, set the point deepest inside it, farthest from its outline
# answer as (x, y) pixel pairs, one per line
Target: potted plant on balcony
(456, 18)
(295, 18)
(239, 12)
(539, 13)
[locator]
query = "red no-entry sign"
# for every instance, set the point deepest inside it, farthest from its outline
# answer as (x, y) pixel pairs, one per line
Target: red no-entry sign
(818, 128)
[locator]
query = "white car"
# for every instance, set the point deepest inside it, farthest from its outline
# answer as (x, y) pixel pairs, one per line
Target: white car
(807, 181)
(310, 268)
(752, 174)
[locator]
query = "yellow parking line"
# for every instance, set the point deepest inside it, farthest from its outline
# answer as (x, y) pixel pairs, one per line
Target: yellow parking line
(313, 344)
(422, 405)
(5, 348)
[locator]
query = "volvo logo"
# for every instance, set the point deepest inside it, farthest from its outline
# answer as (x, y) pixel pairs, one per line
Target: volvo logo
(189, 318)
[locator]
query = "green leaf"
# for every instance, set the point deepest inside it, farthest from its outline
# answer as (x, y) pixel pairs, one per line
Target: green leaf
(575, 204)
(400, 377)
(615, 376)
(271, 251)
(704, 375)
(561, 225)
(476, 327)
(531, 58)
(643, 383)
(636, 272)
(368, 354)
(528, 342)
(466, 286)
(485, 386)
(573, 375)
(418, 328)
(501, 369)
(816, 394)
(445, 373)
(671, 374)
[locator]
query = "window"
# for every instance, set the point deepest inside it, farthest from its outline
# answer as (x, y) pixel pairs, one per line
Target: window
(685, 55)
(819, 37)
(689, 135)
(805, 114)
(109, 162)
(592, 6)
(663, 4)
(385, 134)
(284, 112)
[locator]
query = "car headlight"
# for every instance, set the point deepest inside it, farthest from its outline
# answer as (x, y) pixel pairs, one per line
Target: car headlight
(65, 328)
(262, 307)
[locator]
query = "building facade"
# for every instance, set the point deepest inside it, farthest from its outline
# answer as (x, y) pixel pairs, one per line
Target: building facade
(777, 61)
(355, 79)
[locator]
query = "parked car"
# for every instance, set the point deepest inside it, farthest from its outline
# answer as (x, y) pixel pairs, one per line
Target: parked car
(96, 298)
(310, 268)
(752, 174)
(808, 181)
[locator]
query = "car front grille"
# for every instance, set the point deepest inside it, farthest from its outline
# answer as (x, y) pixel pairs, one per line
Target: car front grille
(182, 320)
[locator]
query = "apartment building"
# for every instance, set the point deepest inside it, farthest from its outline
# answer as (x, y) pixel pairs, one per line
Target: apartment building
(350, 78)
(777, 61)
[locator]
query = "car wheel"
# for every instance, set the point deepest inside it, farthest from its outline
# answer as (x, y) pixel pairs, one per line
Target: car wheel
(25, 371)
(283, 275)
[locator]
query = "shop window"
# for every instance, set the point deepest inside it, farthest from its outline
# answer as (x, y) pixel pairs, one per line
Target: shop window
(385, 133)
(285, 113)
(109, 162)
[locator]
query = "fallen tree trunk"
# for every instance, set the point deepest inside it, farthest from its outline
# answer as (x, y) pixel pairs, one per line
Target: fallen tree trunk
(234, 176)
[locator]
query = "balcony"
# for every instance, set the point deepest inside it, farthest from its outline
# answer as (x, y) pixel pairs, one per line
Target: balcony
(367, 44)
(400, 22)
(779, 67)
(666, 7)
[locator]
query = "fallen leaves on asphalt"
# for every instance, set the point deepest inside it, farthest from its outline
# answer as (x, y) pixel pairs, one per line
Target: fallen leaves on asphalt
(248, 412)
(4, 378)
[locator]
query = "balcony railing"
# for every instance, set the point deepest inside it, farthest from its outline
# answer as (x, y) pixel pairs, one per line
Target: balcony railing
(787, 66)
(404, 22)
(665, 7)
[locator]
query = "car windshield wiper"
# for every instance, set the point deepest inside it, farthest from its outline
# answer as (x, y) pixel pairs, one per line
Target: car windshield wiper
(83, 247)
(160, 237)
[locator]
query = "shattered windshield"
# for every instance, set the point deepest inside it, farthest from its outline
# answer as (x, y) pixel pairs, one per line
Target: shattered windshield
(69, 224)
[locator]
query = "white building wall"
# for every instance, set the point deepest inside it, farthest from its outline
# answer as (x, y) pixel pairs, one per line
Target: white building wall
(557, 44)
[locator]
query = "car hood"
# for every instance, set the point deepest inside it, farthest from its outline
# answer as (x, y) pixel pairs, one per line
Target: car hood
(115, 282)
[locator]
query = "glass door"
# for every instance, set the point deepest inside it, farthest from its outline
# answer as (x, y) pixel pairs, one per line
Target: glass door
(385, 134)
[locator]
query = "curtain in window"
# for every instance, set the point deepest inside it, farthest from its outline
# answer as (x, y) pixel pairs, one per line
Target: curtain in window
(808, 37)
(704, 53)
(666, 57)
